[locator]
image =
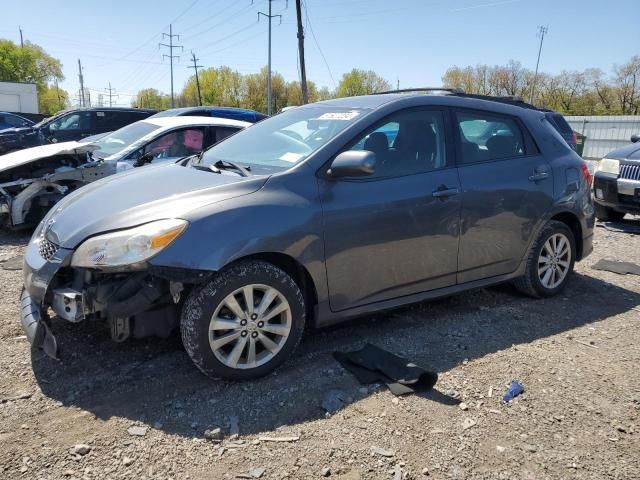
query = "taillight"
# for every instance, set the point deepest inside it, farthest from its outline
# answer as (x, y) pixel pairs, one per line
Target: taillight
(587, 174)
(574, 138)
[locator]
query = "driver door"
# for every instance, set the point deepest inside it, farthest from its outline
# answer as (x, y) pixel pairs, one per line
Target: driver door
(394, 233)
(74, 126)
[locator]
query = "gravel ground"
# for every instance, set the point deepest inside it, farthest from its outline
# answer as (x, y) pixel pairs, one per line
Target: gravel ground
(140, 409)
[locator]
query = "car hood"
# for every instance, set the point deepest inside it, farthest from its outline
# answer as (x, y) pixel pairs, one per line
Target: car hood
(28, 155)
(628, 151)
(17, 130)
(140, 196)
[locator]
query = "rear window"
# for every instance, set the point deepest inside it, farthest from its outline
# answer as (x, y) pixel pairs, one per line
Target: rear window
(559, 123)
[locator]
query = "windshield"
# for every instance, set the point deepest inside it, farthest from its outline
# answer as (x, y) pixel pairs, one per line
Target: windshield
(122, 138)
(281, 142)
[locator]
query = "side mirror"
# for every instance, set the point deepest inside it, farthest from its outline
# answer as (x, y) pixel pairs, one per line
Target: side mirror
(144, 159)
(635, 138)
(353, 163)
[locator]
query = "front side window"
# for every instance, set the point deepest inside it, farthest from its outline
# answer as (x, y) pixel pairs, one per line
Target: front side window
(286, 139)
(177, 144)
(73, 121)
(406, 143)
(489, 137)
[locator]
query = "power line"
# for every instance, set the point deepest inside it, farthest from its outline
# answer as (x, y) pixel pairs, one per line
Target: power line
(171, 56)
(195, 66)
(306, 13)
(269, 17)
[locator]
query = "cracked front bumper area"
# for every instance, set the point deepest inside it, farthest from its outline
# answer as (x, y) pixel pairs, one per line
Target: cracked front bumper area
(38, 275)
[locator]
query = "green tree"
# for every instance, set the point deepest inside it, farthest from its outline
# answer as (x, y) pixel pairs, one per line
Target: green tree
(218, 86)
(294, 93)
(151, 98)
(256, 91)
(52, 99)
(28, 64)
(32, 64)
(361, 82)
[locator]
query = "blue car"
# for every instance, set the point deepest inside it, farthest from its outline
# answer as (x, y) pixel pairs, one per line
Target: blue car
(11, 120)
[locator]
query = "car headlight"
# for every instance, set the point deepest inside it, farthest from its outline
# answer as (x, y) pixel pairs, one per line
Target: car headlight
(128, 248)
(609, 165)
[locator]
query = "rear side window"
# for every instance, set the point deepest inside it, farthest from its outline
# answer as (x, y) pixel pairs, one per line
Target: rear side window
(111, 120)
(485, 136)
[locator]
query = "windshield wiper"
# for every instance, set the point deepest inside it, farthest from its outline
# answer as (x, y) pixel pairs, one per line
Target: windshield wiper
(206, 168)
(227, 165)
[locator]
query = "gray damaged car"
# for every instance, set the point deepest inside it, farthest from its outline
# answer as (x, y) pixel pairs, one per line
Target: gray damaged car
(316, 215)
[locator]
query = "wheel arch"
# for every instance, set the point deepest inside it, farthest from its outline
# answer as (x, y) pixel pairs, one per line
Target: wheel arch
(571, 221)
(295, 270)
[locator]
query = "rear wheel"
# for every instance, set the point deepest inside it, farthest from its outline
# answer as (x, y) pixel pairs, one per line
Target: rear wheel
(245, 322)
(550, 262)
(607, 214)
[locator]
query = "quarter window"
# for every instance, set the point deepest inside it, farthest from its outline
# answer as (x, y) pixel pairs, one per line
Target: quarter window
(489, 137)
(406, 143)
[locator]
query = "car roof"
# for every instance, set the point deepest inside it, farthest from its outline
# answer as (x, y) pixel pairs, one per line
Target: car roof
(171, 122)
(417, 99)
(250, 115)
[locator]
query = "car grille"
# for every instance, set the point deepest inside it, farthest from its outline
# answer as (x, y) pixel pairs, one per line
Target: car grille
(630, 172)
(47, 249)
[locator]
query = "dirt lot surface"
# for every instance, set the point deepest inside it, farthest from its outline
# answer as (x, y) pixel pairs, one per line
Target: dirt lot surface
(578, 356)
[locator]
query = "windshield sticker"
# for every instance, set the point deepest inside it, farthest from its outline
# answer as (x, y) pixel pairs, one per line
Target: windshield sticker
(100, 114)
(291, 157)
(339, 115)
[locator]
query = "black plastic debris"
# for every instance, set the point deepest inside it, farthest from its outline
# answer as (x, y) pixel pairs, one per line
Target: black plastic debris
(621, 227)
(334, 400)
(372, 364)
(614, 266)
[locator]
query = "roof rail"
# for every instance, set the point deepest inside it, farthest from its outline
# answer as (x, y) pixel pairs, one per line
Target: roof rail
(454, 91)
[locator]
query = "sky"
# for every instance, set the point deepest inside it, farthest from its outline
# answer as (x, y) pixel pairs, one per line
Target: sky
(408, 42)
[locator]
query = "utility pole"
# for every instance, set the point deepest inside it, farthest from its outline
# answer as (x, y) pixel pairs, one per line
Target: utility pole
(82, 102)
(542, 31)
(195, 67)
(397, 84)
(110, 90)
(171, 56)
(269, 17)
(303, 72)
(21, 41)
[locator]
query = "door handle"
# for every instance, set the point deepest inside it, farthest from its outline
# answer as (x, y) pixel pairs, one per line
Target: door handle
(536, 177)
(445, 192)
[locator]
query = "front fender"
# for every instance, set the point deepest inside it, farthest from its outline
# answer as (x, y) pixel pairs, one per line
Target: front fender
(283, 217)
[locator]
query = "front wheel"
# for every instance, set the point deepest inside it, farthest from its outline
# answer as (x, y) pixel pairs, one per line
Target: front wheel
(550, 261)
(245, 322)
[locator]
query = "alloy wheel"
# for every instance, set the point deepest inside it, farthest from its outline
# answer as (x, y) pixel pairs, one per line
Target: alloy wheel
(250, 326)
(554, 261)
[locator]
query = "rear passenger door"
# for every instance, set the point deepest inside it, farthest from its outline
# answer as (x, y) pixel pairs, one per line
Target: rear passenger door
(507, 186)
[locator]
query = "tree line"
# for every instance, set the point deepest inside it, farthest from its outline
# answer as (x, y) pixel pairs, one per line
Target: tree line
(226, 87)
(589, 92)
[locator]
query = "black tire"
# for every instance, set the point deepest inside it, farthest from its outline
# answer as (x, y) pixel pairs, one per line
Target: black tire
(530, 283)
(203, 301)
(607, 214)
